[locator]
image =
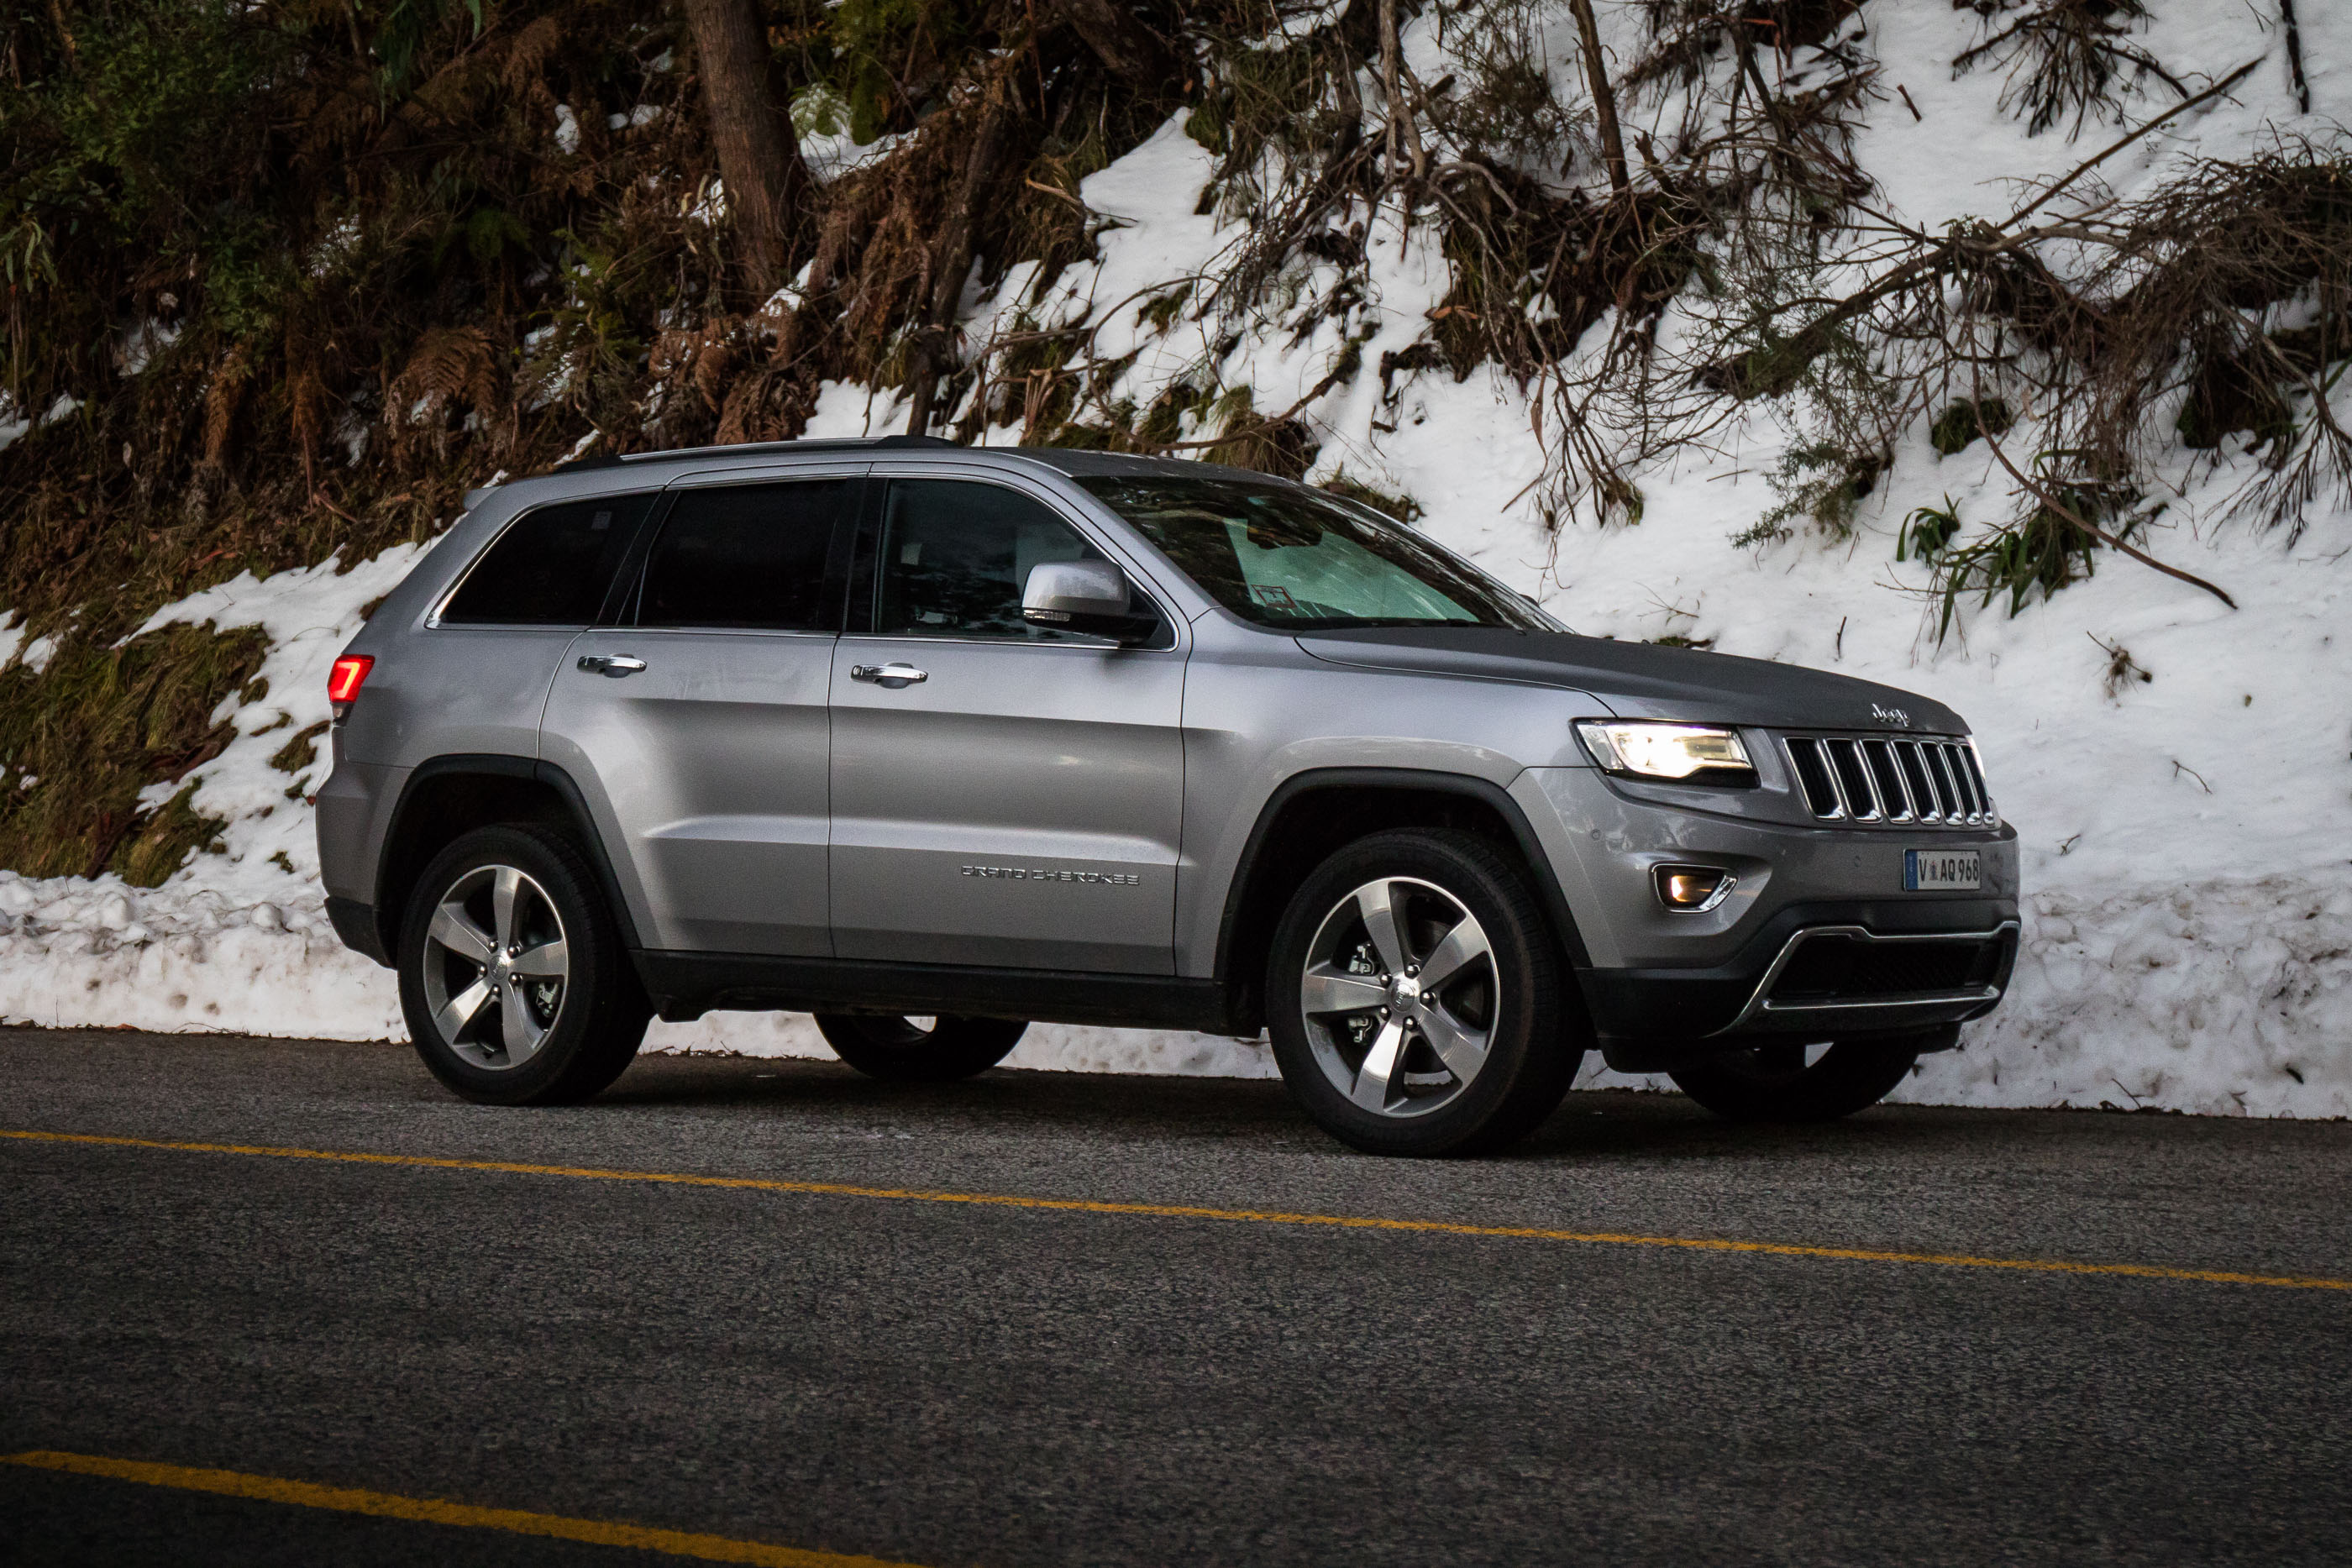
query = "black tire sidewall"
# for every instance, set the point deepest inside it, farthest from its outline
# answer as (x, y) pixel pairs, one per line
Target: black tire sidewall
(954, 1048)
(1851, 1076)
(1530, 1055)
(604, 1015)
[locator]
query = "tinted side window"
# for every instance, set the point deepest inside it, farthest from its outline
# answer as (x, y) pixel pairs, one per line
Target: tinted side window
(551, 567)
(954, 556)
(748, 556)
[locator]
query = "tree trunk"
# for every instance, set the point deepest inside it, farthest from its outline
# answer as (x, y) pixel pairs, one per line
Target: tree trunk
(1129, 51)
(2294, 56)
(750, 130)
(991, 141)
(1604, 99)
(1391, 94)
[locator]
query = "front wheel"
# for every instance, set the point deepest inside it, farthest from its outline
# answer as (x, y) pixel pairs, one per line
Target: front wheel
(1798, 1081)
(1415, 997)
(919, 1050)
(513, 976)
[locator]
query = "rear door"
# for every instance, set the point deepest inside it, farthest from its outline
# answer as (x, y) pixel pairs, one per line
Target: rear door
(696, 726)
(1019, 804)
(478, 678)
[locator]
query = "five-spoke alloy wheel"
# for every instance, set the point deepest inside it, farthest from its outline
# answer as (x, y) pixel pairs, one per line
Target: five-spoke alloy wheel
(1415, 997)
(495, 966)
(512, 976)
(1398, 999)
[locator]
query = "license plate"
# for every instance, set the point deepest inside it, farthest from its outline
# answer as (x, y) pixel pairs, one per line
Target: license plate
(1935, 871)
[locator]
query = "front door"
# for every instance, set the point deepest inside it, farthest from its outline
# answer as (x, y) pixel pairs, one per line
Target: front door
(1003, 794)
(697, 727)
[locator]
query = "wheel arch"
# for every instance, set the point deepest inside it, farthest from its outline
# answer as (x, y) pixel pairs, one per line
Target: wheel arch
(1311, 814)
(445, 797)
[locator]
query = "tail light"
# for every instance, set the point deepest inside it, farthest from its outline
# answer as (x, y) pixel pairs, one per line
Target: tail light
(344, 681)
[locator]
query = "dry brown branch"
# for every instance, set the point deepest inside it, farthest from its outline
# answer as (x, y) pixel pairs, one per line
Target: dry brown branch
(2050, 499)
(2067, 57)
(1604, 97)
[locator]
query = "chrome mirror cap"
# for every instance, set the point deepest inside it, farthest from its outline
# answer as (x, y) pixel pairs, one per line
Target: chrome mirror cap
(1073, 592)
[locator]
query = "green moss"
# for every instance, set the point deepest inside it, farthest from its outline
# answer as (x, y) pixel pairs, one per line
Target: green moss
(1163, 423)
(1963, 422)
(1160, 309)
(99, 726)
(301, 751)
(164, 840)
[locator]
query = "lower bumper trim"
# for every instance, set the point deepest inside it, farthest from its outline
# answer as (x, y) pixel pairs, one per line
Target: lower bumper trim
(1890, 984)
(355, 923)
(1765, 1012)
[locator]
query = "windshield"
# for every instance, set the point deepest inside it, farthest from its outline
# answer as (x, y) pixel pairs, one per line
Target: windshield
(1300, 561)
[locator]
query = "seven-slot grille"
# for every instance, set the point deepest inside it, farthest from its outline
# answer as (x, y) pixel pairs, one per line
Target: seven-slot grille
(1873, 778)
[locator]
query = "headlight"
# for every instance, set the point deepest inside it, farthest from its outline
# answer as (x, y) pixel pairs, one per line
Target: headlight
(1702, 752)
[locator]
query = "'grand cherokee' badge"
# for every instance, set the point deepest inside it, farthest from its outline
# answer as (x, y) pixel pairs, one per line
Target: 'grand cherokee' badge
(1041, 874)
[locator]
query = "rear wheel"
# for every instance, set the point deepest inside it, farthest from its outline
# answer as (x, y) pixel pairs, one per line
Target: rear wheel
(1798, 1081)
(513, 976)
(1415, 997)
(919, 1049)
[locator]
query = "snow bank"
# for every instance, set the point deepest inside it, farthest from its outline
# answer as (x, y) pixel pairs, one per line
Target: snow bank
(2186, 840)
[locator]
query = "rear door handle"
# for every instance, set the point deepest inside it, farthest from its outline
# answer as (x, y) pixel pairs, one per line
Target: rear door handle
(615, 666)
(895, 677)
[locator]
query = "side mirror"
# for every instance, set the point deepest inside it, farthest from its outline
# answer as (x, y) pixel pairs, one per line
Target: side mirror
(1088, 596)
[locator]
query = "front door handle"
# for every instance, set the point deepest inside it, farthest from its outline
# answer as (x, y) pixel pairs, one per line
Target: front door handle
(614, 666)
(896, 677)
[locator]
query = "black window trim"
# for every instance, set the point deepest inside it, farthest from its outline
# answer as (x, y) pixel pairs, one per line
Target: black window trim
(658, 506)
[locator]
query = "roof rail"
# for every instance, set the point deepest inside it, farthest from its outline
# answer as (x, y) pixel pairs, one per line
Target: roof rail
(748, 448)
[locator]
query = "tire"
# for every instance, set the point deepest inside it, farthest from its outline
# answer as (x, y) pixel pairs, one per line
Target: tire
(900, 1050)
(556, 1033)
(1476, 1062)
(1776, 1083)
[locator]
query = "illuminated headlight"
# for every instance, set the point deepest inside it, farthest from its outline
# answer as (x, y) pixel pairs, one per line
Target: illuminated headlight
(1703, 753)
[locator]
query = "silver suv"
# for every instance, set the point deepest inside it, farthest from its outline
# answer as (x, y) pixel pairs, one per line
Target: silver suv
(933, 742)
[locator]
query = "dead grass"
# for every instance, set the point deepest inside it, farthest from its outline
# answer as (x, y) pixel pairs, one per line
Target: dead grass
(98, 727)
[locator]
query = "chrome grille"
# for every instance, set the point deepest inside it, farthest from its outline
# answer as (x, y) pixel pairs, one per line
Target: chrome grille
(1931, 780)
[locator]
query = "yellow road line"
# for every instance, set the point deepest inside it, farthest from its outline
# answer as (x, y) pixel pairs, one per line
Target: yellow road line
(435, 1511)
(1190, 1211)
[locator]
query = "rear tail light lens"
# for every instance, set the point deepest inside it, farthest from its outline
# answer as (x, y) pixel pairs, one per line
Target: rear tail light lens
(344, 681)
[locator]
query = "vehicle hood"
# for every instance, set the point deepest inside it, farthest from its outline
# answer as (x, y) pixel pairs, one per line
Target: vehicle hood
(1644, 680)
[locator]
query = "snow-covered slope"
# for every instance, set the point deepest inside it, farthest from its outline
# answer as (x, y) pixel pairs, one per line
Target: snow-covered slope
(2188, 838)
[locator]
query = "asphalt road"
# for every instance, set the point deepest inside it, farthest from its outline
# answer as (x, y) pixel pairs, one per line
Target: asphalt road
(943, 1382)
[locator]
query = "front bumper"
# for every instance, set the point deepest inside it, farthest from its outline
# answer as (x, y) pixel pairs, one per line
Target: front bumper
(1817, 939)
(1829, 970)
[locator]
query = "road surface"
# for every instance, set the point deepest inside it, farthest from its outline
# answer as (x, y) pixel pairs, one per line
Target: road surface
(742, 1302)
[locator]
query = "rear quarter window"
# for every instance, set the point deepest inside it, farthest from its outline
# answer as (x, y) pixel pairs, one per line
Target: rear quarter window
(551, 567)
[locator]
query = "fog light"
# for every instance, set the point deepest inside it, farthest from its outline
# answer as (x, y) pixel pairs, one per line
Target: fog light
(1693, 889)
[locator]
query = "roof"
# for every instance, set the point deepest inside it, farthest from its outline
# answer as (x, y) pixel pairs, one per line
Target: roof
(1075, 462)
